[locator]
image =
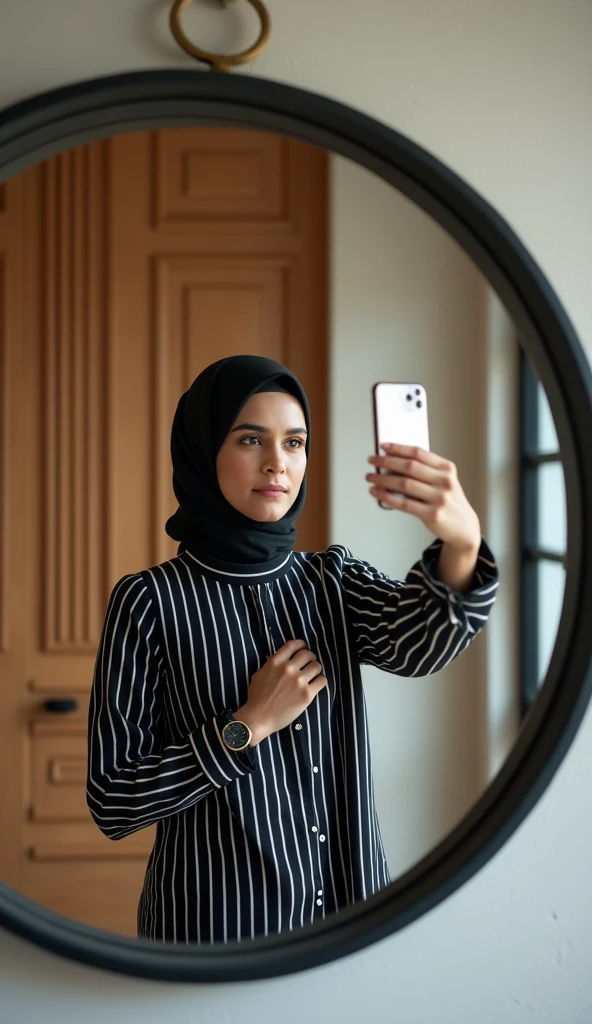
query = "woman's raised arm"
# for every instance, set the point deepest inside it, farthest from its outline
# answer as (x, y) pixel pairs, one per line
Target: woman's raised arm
(416, 626)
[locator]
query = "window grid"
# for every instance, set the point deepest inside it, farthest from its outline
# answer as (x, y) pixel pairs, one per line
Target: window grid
(532, 554)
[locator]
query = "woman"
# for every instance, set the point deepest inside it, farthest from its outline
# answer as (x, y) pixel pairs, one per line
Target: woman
(227, 702)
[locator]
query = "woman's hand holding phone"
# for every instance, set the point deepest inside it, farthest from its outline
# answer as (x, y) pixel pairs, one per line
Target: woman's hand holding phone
(425, 485)
(409, 476)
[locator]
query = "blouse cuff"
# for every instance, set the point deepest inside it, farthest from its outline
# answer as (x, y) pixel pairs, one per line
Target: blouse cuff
(483, 585)
(220, 764)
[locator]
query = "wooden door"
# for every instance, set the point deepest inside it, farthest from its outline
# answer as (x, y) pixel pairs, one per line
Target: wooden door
(125, 268)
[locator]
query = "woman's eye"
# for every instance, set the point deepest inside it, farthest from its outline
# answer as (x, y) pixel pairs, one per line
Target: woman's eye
(294, 442)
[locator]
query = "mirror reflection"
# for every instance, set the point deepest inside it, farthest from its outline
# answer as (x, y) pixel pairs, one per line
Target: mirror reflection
(305, 693)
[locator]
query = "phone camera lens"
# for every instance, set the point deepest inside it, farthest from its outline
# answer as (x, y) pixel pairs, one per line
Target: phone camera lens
(418, 404)
(417, 391)
(409, 398)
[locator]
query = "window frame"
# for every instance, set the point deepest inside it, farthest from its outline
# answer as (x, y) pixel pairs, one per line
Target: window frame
(531, 552)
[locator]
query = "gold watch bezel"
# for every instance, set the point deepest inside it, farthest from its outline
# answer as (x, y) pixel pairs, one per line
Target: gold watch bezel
(232, 721)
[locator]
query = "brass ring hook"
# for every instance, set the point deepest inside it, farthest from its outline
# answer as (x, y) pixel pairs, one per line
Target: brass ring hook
(220, 61)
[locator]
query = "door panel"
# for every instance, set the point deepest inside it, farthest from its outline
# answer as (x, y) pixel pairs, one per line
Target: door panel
(125, 268)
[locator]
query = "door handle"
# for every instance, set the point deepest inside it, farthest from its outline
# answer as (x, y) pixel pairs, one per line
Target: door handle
(61, 705)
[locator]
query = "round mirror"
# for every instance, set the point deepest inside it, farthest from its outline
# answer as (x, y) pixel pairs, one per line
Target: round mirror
(162, 221)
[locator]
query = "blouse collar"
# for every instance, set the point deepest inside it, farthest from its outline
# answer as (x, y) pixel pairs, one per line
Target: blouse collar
(235, 573)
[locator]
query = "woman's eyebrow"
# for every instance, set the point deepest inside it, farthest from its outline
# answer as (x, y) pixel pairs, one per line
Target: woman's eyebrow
(265, 430)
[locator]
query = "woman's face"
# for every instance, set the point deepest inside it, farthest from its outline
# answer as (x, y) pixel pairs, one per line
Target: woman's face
(264, 448)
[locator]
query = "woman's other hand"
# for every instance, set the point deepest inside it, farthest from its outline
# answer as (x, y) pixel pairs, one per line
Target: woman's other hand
(281, 690)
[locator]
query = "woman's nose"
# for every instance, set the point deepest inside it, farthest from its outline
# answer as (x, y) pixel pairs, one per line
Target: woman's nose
(274, 462)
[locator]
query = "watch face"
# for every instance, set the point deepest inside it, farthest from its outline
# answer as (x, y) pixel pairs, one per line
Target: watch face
(236, 735)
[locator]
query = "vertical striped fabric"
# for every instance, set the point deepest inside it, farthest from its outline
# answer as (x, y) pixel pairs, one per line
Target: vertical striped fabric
(286, 832)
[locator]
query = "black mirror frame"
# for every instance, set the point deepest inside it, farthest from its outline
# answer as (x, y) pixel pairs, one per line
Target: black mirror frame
(76, 114)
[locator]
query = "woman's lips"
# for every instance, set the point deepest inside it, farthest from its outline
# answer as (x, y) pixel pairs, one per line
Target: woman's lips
(270, 492)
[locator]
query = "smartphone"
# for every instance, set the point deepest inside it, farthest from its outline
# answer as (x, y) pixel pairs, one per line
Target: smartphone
(400, 416)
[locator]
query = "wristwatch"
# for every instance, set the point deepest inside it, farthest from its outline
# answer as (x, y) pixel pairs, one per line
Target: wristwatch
(236, 735)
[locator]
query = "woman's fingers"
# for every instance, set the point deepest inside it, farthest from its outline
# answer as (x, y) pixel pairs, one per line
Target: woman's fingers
(413, 479)
(318, 684)
(288, 650)
(425, 485)
(403, 485)
(414, 464)
(300, 656)
(417, 454)
(406, 467)
(403, 503)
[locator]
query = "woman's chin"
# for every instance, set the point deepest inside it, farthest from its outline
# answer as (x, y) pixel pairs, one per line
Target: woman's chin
(271, 516)
(269, 513)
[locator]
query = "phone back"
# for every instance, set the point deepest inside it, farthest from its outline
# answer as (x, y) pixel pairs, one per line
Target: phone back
(400, 414)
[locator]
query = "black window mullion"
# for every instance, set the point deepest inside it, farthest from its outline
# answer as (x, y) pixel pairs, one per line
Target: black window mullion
(532, 553)
(529, 636)
(536, 459)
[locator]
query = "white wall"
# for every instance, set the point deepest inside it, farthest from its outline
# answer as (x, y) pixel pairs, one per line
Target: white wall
(407, 304)
(502, 93)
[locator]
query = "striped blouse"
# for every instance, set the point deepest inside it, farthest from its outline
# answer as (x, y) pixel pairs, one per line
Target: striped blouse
(287, 832)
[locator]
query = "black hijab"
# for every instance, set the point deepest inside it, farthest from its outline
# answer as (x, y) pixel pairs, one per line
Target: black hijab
(205, 522)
